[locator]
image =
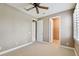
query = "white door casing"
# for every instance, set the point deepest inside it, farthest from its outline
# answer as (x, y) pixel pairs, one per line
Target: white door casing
(33, 31)
(40, 30)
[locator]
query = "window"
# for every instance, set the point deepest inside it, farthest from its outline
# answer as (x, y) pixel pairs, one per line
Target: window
(76, 22)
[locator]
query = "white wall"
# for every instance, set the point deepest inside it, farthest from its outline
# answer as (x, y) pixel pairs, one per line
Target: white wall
(46, 29)
(15, 27)
(66, 28)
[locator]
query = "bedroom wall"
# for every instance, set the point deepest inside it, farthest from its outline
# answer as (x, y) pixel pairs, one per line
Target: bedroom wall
(66, 27)
(76, 28)
(15, 27)
(46, 30)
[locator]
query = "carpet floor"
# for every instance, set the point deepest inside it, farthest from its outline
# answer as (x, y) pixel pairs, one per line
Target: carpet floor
(41, 49)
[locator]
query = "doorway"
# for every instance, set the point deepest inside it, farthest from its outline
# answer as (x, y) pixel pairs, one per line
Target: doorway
(55, 31)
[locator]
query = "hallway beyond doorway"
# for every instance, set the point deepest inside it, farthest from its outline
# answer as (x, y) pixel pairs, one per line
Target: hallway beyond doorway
(55, 31)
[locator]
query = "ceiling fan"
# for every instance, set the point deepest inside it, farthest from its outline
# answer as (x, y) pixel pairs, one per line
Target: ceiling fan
(36, 6)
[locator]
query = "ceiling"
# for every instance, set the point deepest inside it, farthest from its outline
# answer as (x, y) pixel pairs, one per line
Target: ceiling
(53, 8)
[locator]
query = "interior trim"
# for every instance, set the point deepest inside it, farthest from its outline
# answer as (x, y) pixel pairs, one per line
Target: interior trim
(75, 52)
(70, 48)
(12, 49)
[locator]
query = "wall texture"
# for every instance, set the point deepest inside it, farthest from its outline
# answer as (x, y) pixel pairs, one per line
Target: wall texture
(15, 27)
(66, 27)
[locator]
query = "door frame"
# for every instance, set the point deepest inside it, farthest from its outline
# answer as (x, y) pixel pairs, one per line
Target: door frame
(40, 30)
(34, 30)
(51, 30)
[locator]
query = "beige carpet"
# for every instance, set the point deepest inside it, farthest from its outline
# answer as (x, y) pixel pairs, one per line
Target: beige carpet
(41, 49)
(56, 43)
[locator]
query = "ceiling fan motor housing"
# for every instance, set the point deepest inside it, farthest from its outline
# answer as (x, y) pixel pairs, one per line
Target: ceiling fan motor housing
(36, 4)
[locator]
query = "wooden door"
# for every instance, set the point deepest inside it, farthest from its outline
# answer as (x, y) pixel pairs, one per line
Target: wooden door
(56, 28)
(56, 32)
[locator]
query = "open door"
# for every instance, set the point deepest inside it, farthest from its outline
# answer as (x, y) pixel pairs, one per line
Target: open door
(55, 31)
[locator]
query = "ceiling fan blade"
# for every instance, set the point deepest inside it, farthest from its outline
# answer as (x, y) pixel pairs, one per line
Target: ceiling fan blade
(31, 3)
(43, 7)
(29, 8)
(37, 10)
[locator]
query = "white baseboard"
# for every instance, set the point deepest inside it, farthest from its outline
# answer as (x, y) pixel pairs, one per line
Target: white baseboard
(12, 49)
(67, 47)
(71, 48)
(75, 52)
